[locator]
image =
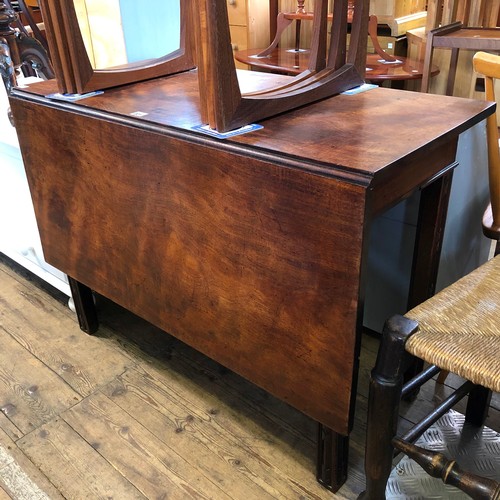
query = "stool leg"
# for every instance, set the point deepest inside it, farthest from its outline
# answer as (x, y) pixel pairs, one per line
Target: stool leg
(84, 306)
(478, 405)
(386, 382)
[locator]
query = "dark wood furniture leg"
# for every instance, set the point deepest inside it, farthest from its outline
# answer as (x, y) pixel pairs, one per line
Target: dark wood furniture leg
(432, 214)
(478, 405)
(84, 306)
(430, 229)
(386, 383)
(333, 451)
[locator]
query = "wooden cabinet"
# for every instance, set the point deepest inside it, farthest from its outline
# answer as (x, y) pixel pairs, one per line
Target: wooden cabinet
(249, 24)
(399, 15)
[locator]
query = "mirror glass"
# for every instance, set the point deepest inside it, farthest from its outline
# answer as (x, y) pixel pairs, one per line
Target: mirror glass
(127, 32)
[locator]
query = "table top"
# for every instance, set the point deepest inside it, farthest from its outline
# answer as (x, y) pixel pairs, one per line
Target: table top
(470, 38)
(292, 62)
(361, 134)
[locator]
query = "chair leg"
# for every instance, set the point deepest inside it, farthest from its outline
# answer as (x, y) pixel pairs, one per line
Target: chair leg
(386, 383)
(478, 405)
(443, 375)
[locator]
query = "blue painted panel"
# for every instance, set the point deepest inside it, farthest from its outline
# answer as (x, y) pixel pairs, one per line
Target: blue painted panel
(150, 29)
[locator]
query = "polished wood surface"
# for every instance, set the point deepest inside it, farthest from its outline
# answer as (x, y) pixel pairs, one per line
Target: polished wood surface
(456, 37)
(292, 62)
(226, 252)
(225, 107)
(250, 249)
(470, 38)
(304, 137)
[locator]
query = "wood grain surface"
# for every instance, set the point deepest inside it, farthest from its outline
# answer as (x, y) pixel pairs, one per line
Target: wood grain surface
(251, 249)
(253, 264)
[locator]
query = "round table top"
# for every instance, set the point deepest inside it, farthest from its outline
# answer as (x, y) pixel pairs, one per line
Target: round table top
(291, 62)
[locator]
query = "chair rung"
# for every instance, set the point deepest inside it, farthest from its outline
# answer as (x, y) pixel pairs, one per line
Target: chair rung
(414, 433)
(419, 379)
(436, 464)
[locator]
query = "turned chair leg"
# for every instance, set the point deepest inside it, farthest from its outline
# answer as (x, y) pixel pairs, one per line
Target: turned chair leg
(386, 383)
(84, 306)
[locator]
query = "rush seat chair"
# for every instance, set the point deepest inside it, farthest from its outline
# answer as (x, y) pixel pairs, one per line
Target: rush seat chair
(457, 330)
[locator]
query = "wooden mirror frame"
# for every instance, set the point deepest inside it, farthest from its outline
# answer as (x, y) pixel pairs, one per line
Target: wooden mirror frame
(224, 107)
(71, 62)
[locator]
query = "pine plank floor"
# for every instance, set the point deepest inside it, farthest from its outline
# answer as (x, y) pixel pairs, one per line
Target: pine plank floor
(132, 413)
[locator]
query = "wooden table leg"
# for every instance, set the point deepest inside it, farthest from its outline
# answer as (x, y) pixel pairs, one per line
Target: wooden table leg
(430, 230)
(333, 450)
(84, 306)
(432, 214)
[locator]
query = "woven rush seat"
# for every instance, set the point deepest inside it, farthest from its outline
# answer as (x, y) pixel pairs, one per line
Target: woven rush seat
(459, 328)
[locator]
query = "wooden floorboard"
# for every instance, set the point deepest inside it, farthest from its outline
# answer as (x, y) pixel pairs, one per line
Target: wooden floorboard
(132, 413)
(32, 393)
(19, 477)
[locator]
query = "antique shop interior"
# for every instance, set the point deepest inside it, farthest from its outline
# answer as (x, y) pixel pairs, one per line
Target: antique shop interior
(249, 249)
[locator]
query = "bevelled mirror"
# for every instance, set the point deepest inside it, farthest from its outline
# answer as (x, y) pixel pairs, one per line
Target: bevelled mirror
(97, 44)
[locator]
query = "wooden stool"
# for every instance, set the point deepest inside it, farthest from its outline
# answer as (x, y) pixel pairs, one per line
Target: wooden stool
(455, 37)
(456, 330)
